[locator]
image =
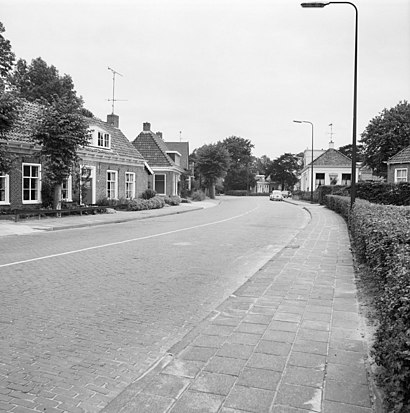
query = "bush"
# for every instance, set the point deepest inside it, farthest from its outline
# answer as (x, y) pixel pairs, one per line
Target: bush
(339, 204)
(384, 193)
(148, 194)
(172, 200)
(237, 192)
(198, 196)
(143, 204)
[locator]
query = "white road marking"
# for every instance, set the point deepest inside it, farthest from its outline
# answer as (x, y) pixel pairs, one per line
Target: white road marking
(125, 241)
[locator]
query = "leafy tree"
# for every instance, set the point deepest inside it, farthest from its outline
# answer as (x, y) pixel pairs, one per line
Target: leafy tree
(6, 55)
(284, 170)
(347, 150)
(40, 82)
(261, 164)
(61, 132)
(212, 162)
(386, 135)
(239, 174)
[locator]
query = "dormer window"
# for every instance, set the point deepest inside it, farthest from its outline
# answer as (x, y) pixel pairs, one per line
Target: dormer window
(103, 140)
(100, 138)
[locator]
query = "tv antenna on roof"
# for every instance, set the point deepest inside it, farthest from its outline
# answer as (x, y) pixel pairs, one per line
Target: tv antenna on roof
(113, 100)
(331, 132)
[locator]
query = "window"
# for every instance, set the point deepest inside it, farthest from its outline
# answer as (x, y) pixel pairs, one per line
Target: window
(129, 185)
(103, 140)
(66, 190)
(320, 179)
(31, 183)
(111, 184)
(159, 183)
(400, 175)
(346, 179)
(4, 189)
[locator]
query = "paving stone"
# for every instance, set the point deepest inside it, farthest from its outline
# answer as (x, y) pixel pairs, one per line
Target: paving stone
(225, 365)
(302, 397)
(184, 368)
(284, 336)
(165, 385)
(209, 341)
(241, 351)
(347, 373)
(303, 376)
(313, 335)
(213, 383)
(283, 326)
(249, 399)
(309, 315)
(258, 319)
(244, 338)
(345, 357)
(288, 409)
(315, 325)
(267, 361)
(147, 403)
(315, 361)
(196, 353)
(348, 393)
(257, 309)
(335, 407)
(251, 328)
(259, 378)
(217, 330)
(348, 345)
(196, 402)
(273, 347)
(310, 346)
(290, 317)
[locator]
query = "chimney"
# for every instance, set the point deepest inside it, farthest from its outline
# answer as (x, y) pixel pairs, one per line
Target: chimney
(331, 145)
(159, 134)
(146, 127)
(113, 120)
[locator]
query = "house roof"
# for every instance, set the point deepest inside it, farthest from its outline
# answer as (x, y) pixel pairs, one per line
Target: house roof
(182, 148)
(154, 150)
(25, 125)
(120, 145)
(401, 157)
(332, 157)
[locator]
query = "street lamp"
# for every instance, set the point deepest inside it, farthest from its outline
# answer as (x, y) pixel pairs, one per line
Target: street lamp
(321, 5)
(311, 173)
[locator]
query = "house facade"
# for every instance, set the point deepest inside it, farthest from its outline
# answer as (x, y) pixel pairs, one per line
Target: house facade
(398, 167)
(329, 168)
(164, 162)
(110, 167)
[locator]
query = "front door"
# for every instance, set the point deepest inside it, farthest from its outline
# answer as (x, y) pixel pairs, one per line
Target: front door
(87, 185)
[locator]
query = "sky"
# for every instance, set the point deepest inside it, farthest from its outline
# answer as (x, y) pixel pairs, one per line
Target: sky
(204, 70)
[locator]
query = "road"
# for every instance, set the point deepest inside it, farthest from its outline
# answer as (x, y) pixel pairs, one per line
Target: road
(84, 312)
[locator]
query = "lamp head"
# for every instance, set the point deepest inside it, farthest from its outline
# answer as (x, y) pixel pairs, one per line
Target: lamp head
(297, 121)
(316, 4)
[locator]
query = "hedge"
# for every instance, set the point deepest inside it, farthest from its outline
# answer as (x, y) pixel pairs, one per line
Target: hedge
(381, 238)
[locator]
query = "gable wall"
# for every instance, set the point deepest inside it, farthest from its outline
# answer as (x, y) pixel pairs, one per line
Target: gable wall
(391, 168)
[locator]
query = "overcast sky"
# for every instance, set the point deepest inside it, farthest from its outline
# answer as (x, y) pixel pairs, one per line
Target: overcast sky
(204, 70)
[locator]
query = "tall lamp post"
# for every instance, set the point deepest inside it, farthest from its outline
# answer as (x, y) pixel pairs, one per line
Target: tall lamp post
(311, 173)
(321, 5)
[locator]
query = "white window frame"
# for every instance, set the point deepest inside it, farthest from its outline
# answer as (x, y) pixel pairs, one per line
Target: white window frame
(128, 182)
(6, 178)
(69, 189)
(38, 178)
(398, 179)
(100, 138)
(165, 183)
(115, 182)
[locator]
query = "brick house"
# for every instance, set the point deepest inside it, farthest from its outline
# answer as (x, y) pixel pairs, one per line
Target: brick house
(398, 167)
(329, 168)
(110, 167)
(166, 164)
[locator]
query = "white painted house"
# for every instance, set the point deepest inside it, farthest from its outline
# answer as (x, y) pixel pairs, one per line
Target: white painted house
(330, 167)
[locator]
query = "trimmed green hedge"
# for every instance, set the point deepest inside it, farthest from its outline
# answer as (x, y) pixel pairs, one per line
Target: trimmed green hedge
(138, 204)
(381, 238)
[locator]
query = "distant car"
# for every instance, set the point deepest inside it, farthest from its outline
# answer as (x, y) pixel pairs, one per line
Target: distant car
(276, 196)
(286, 194)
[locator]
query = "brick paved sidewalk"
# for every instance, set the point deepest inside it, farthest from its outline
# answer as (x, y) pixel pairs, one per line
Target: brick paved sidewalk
(289, 340)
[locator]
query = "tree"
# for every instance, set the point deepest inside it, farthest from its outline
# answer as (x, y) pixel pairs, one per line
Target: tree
(239, 174)
(284, 170)
(347, 151)
(386, 135)
(212, 162)
(9, 103)
(261, 164)
(40, 82)
(62, 130)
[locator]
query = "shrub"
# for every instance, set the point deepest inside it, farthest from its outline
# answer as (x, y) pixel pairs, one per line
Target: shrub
(148, 194)
(143, 204)
(198, 195)
(237, 192)
(173, 200)
(384, 193)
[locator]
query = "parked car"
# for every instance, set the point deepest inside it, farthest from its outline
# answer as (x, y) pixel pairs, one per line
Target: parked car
(276, 196)
(286, 194)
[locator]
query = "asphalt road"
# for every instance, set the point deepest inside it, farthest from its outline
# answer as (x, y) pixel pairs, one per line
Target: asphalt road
(84, 312)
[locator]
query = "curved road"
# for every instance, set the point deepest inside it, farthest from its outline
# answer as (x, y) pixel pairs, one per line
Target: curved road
(84, 312)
